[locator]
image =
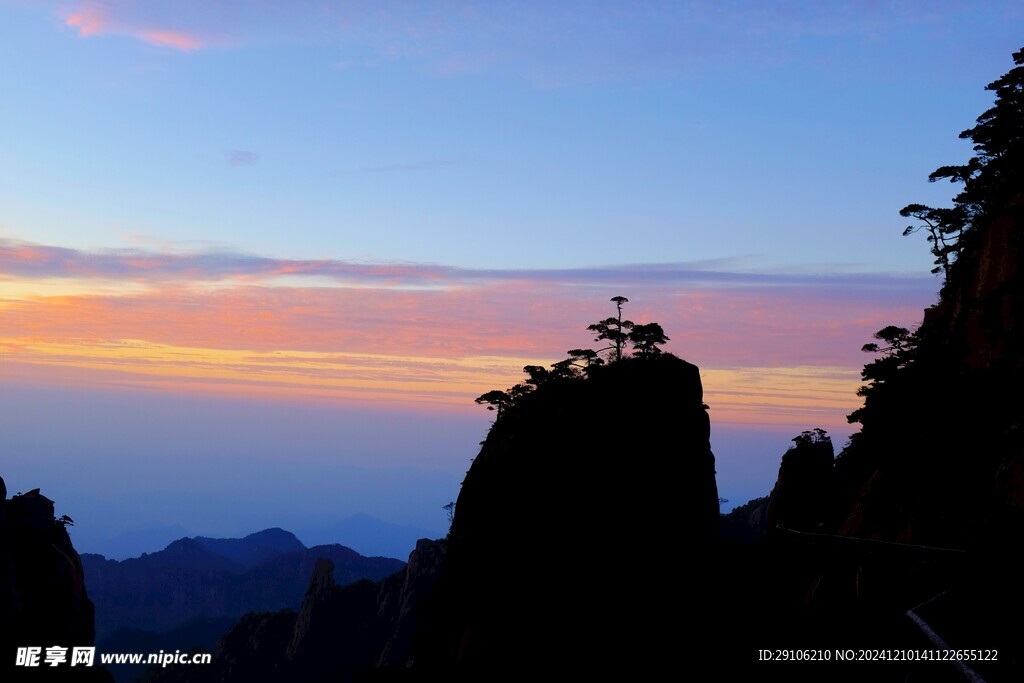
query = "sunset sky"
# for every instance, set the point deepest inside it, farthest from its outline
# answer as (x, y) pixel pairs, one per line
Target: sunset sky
(257, 258)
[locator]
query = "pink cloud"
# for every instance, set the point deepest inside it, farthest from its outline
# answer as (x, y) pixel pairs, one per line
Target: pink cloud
(766, 358)
(221, 300)
(173, 39)
(93, 19)
(531, 320)
(770, 344)
(90, 20)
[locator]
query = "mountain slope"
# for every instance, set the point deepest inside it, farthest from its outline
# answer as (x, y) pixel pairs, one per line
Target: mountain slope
(190, 579)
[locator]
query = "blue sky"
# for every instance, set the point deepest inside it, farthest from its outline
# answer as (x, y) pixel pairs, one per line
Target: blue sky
(449, 191)
(501, 135)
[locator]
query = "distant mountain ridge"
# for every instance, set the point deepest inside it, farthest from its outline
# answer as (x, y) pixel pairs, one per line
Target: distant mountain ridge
(255, 548)
(131, 543)
(367, 535)
(215, 577)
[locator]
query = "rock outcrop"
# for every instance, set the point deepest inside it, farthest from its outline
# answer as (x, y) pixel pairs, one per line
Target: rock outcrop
(402, 607)
(553, 549)
(803, 496)
(342, 630)
(313, 610)
(43, 600)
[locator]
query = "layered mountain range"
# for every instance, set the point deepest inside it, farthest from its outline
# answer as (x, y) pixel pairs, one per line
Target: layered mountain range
(209, 577)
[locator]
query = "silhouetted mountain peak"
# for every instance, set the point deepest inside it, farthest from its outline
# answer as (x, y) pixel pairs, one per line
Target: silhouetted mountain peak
(190, 553)
(273, 535)
(335, 550)
(254, 549)
(621, 453)
(367, 535)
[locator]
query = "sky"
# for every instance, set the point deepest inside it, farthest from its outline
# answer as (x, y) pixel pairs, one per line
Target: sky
(257, 258)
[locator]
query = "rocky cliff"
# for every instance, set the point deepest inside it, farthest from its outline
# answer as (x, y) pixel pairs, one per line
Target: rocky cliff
(940, 460)
(941, 440)
(551, 556)
(43, 600)
(804, 493)
(919, 543)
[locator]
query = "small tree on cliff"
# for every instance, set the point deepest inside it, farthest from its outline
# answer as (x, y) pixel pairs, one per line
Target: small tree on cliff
(897, 347)
(581, 363)
(897, 352)
(496, 400)
(615, 330)
(897, 340)
(811, 436)
(646, 339)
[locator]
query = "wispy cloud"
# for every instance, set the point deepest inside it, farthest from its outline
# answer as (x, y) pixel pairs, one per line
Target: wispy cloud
(30, 260)
(550, 44)
(90, 19)
(771, 344)
(172, 39)
(93, 19)
(241, 157)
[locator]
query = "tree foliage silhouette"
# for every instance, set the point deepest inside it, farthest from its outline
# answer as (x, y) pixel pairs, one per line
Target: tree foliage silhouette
(898, 339)
(811, 436)
(538, 375)
(496, 400)
(992, 179)
(646, 338)
(897, 351)
(615, 330)
(582, 363)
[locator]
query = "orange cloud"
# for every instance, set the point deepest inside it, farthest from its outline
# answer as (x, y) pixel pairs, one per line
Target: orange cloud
(801, 396)
(435, 347)
(779, 351)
